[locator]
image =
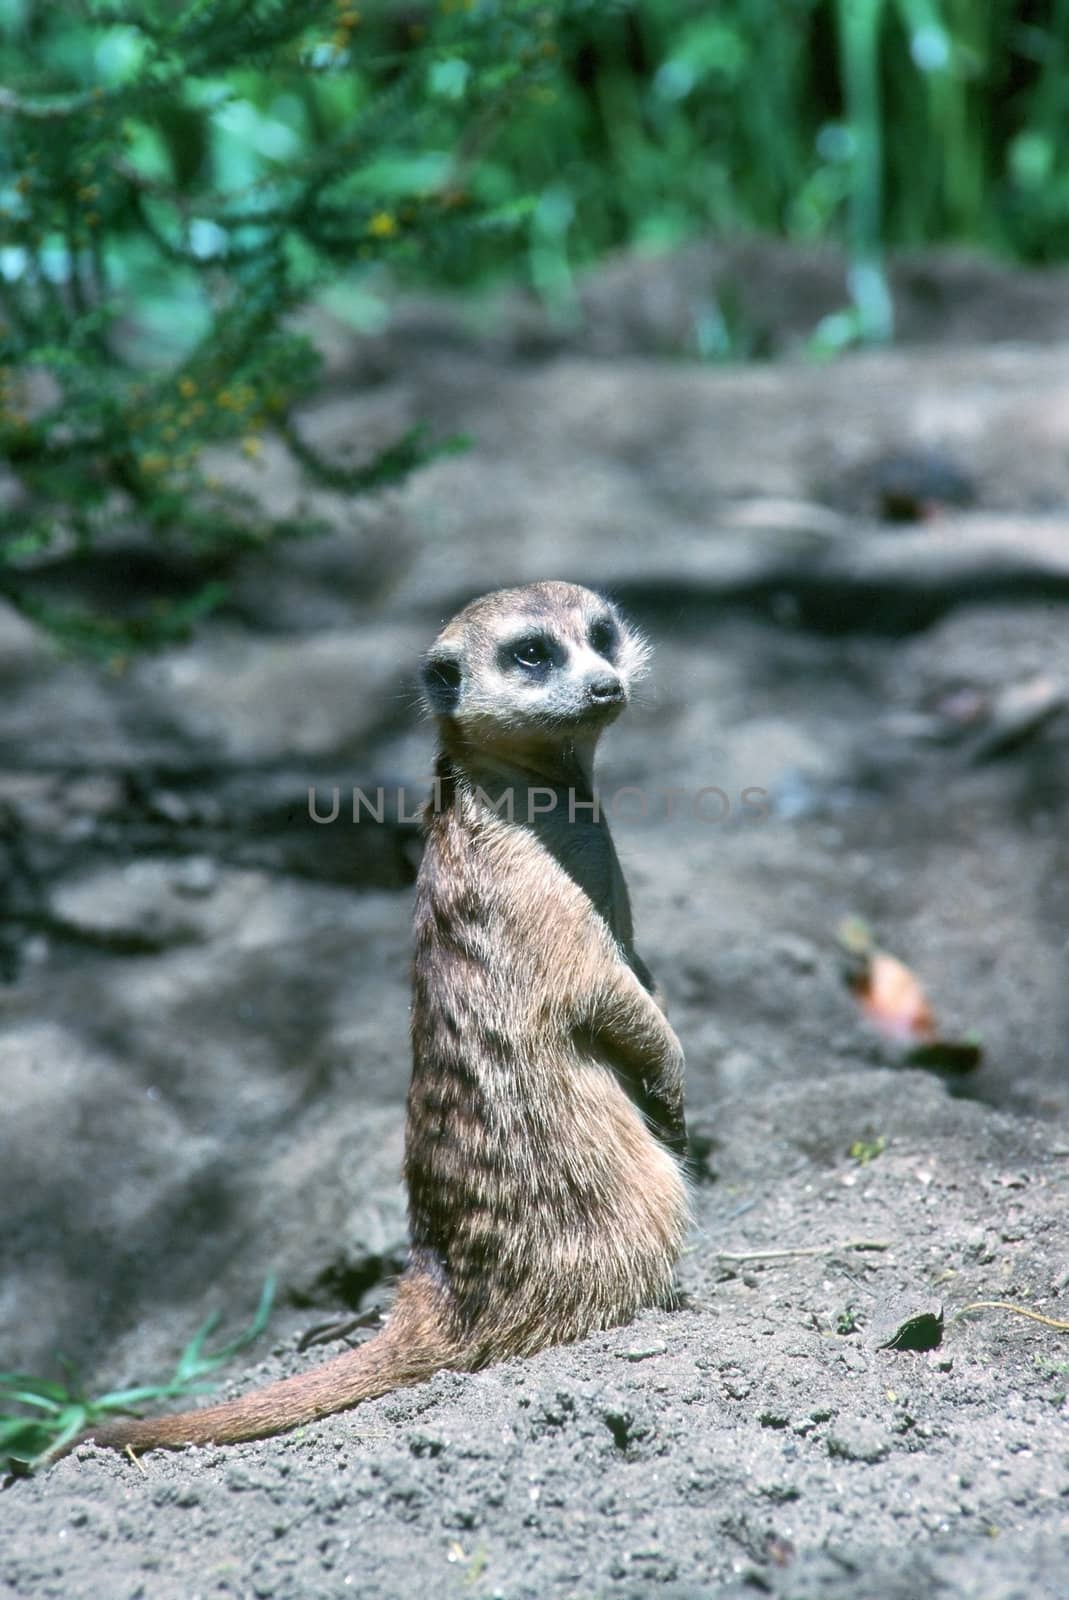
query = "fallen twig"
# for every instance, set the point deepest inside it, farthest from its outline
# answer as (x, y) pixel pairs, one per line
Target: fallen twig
(804, 1250)
(1018, 1311)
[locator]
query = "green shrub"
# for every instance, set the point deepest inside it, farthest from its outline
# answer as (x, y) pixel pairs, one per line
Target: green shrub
(175, 180)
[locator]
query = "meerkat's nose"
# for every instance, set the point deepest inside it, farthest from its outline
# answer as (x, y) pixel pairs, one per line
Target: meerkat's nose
(605, 690)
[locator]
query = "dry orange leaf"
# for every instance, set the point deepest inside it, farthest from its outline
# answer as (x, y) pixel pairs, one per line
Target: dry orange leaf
(893, 999)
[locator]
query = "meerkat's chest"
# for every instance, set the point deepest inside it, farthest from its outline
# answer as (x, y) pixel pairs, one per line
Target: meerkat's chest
(583, 851)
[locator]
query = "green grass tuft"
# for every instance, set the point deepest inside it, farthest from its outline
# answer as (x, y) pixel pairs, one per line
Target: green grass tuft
(39, 1417)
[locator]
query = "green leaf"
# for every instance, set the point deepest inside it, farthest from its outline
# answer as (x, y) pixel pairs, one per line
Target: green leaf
(449, 78)
(41, 1386)
(26, 1397)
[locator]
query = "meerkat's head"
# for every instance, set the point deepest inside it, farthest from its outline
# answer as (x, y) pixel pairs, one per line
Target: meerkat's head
(533, 668)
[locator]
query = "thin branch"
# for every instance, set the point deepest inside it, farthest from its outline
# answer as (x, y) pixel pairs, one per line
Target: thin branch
(71, 105)
(1018, 1311)
(392, 463)
(805, 1250)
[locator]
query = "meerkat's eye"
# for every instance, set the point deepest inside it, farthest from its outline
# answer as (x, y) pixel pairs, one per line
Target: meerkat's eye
(603, 637)
(532, 652)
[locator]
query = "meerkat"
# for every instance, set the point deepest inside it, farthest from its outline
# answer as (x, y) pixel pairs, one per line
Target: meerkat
(545, 1140)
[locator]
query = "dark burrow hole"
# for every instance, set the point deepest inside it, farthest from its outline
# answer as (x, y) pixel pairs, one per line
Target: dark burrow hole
(347, 1283)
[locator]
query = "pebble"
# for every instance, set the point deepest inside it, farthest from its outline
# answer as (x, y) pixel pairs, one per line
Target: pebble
(643, 1352)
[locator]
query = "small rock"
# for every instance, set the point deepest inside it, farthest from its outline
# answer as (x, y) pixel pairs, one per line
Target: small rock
(643, 1352)
(780, 1493)
(798, 954)
(914, 484)
(1018, 713)
(425, 1444)
(860, 1441)
(911, 1327)
(170, 807)
(773, 1419)
(197, 877)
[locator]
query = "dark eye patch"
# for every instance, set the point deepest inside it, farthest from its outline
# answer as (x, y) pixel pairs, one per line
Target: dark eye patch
(533, 653)
(604, 637)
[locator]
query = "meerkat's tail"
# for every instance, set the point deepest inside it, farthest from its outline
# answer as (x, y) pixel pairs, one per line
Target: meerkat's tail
(413, 1346)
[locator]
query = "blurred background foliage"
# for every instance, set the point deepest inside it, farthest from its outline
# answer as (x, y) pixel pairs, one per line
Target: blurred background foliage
(177, 177)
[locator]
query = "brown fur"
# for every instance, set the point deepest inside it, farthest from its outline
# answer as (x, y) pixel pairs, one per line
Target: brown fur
(545, 1113)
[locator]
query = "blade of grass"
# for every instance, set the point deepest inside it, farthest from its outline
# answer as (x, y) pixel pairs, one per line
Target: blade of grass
(59, 1413)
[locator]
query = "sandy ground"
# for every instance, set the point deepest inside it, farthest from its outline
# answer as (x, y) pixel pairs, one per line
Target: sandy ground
(203, 997)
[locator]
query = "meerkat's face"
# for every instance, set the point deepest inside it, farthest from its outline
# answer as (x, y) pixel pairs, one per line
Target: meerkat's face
(538, 665)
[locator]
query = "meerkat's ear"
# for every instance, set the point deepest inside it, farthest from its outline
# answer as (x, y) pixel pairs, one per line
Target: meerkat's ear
(635, 650)
(439, 678)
